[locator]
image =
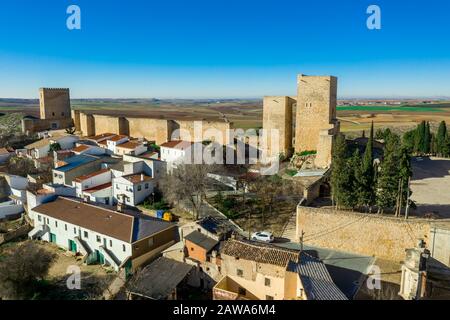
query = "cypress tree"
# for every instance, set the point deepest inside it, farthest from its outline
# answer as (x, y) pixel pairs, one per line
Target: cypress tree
(366, 192)
(441, 139)
(339, 173)
(420, 138)
(353, 168)
(427, 139)
(388, 179)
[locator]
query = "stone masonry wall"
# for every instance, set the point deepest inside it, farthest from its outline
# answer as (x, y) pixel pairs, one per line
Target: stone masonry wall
(277, 115)
(366, 234)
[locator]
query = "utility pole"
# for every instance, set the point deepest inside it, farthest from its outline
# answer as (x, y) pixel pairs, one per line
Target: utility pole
(407, 199)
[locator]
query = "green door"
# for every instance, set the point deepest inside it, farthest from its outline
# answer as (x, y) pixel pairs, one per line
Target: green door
(100, 257)
(72, 246)
(52, 238)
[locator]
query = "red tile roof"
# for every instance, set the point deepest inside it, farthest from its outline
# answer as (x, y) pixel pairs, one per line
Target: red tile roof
(129, 145)
(177, 144)
(137, 178)
(80, 148)
(87, 176)
(98, 188)
(101, 137)
(117, 137)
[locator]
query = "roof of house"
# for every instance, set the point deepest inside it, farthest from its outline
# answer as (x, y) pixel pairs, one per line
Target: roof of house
(316, 279)
(129, 145)
(259, 252)
(117, 225)
(118, 137)
(160, 278)
(201, 240)
(81, 148)
(98, 188)
(177, 144)
(75, 161)
(137, 178)
(4, 151)
(90, 175)
(39, 144)
(214, 225)
(101, 137)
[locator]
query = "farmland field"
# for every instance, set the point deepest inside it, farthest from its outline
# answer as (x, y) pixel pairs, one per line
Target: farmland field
(248, 113)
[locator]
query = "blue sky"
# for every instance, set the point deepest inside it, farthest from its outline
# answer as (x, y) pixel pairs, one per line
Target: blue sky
(223, 48)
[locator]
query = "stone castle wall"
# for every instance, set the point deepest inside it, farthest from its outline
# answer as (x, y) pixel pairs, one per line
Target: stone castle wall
(30, 126)
(366, 234)
(157, 130)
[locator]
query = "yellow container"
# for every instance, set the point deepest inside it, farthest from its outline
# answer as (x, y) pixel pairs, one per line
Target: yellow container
(167, 216)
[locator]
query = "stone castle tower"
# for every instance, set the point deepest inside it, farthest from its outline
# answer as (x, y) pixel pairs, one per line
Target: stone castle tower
(277, 114)
(54, 103)
(54, 111)
(315, 120)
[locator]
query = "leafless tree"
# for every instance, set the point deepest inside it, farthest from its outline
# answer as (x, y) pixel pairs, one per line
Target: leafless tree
(22, 268)
(187, 182)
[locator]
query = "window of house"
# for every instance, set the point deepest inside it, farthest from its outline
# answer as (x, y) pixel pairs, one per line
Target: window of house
(53, 114)
(86, 235)
(146, 186)
(139, 187)
(75, 230)
(269, 298)
(56, 175)
(242, 291)
(48, 220)
(267, 282)
(117, 186)
(56, 224)
(192, 248)
(239, 273)
(123, 248)
(110, 243)
(65, 227)
(39, 218)
(99, 239)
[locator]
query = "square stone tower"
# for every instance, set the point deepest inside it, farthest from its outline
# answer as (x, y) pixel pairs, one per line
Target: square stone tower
(316, 112)
(277, 114)
(54, 104)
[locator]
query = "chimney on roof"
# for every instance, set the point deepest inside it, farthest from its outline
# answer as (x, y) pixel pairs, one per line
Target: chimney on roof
(142, 177)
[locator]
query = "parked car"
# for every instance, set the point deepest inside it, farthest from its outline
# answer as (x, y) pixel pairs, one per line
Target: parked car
(262, 236)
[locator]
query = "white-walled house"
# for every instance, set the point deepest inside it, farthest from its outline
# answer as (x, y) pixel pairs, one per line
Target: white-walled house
(131, 148)
(41, 148)
(132, 189)
(113, 142)
(48, 193)
(174, 150)
(91, 180)
(100, 235)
